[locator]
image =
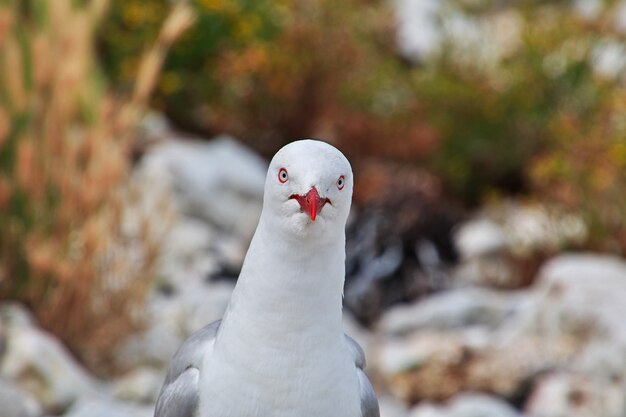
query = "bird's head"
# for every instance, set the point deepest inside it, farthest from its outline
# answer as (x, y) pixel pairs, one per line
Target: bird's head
(308, 190)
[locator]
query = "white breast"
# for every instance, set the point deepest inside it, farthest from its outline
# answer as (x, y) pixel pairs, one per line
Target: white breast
(310, 380)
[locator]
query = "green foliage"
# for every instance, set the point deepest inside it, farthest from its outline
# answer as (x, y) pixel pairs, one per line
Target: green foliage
(188, 80)
(270, 72)
(488, 116)
(540, 117)
(494, 119)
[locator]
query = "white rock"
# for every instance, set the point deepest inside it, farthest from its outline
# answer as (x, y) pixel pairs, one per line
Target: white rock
(171, 319)
(490, 243)
(187, 239)
(577, 303)
(576, 395)
(15, 402)
(582, 296)
(494, 270)
(41, 365)
(187, 255)
(534, 228)
(158, 342)
(98, 406)
(482, 245)
(467, 405)
(391, 407)
(142, 384)
(402, 355)
(453, 309)
(220, 180)
(13, 313)
(418, 32)
(205, 304)
(479, 237)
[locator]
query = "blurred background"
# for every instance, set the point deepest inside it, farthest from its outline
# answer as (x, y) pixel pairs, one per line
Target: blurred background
(485, 270)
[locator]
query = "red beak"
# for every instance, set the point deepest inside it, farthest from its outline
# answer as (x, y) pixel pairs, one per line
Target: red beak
(311, 203)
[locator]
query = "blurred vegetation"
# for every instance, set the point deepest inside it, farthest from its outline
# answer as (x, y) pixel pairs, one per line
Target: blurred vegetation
(514, 102)
(532, 107)
(271, 71)
(520, 100)
(64, 168)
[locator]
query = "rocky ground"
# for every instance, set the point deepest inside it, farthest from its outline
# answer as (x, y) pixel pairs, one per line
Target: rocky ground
(501, 338)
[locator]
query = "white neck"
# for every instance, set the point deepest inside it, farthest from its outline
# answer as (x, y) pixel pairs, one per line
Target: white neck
(286, 288)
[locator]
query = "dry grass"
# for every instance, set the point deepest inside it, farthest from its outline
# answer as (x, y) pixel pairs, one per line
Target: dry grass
(70, 246)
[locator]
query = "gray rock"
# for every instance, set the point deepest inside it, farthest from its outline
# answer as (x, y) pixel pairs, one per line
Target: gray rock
(186, 257)
(157, 343)
(576, 395)
(204, 304)
(12, 313)
(479, 237)
(98, 406)
(467, 405)
(535, 228)
(38, 363)
(15, 402)
(452, 310)
(490, 244)
(141, 385)
(494, 270)
(189, 238)
(171, 319)
(581, 297)
(483, 246)
(437, 366)
(392, 407)
(220, 181)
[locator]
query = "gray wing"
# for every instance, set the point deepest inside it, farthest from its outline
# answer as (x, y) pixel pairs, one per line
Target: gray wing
(179, 395)
(369, 402)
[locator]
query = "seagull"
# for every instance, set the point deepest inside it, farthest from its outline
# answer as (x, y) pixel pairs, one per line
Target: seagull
(280, 349)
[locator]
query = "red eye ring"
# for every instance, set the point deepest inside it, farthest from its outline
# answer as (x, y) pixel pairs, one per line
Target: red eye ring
(283, 176)
(341, 182)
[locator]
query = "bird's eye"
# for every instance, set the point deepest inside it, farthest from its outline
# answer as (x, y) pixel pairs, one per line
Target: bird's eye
(341, 182)
(282, 176)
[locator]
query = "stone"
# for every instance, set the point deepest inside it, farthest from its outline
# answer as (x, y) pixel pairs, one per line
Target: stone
(479, 237)
(494, 270)
(503, 246)
(188, 239)
(15, 402)
(425, 365)
(13, 313)
(155, 345)
(437, 365)
(205, 304)
(483, 247)
(581, 296)
(187, 256)
(469, 404)
(453, 309)
(219, 181)
(534, 228)
(141, 385)
(171, 319)
(565, 394)
(392, 407)
(100, 406)
(38, 363)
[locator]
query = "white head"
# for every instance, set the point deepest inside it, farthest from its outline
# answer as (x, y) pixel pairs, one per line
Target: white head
(308, 192)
